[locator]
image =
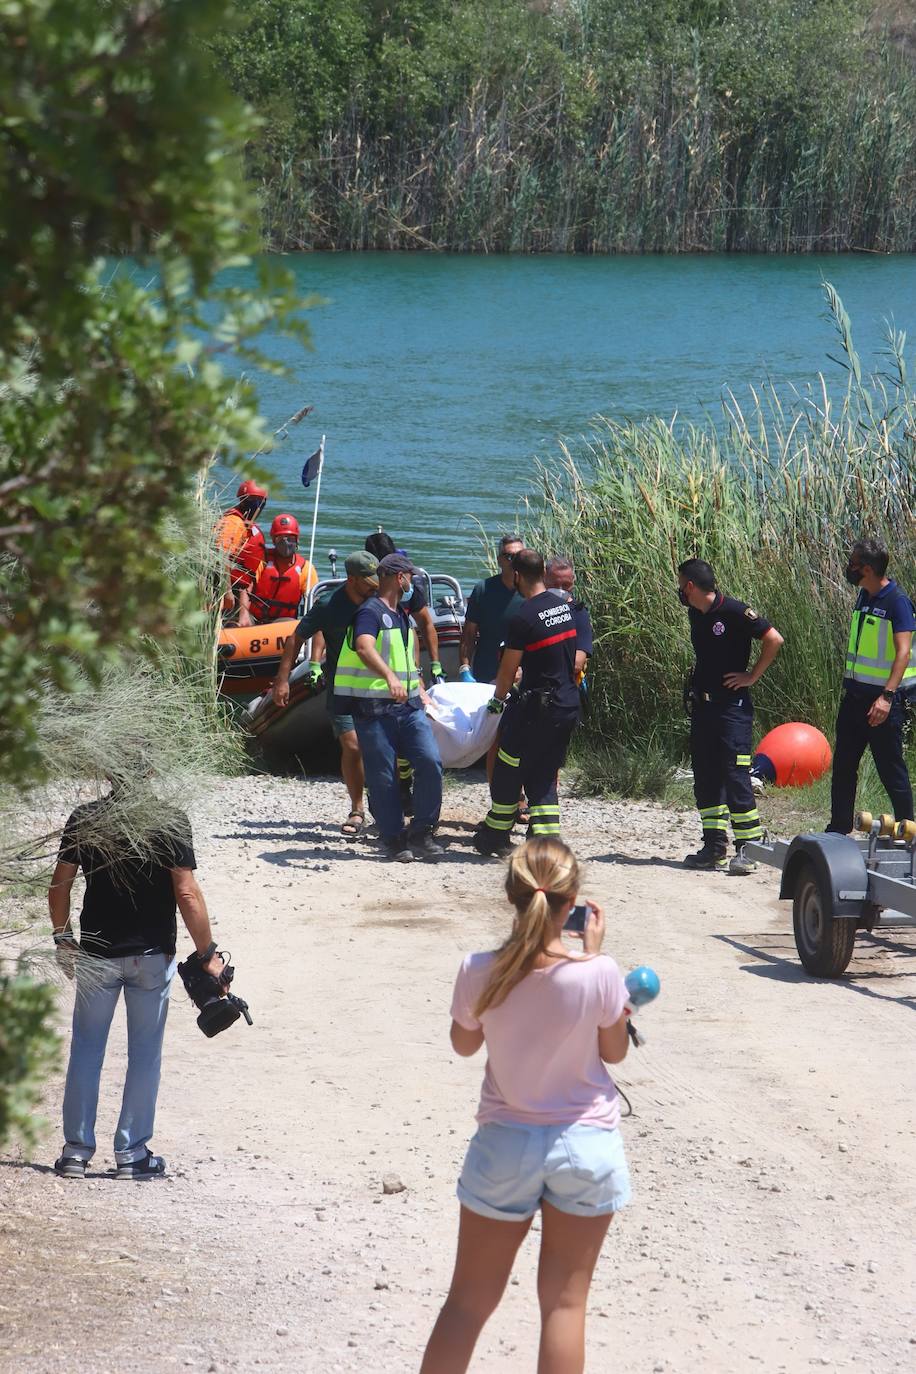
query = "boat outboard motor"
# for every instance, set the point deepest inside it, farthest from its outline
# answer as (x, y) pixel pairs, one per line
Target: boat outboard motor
(219, 1008)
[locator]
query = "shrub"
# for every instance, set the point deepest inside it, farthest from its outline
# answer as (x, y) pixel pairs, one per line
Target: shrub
(772, 498)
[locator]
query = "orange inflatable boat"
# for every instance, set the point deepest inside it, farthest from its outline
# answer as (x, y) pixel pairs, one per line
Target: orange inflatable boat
(248, 659)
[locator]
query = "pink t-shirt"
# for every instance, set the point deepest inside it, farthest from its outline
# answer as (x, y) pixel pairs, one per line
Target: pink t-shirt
(543, 1066)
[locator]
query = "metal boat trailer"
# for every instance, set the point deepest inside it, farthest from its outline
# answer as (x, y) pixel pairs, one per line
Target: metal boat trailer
(839, 884)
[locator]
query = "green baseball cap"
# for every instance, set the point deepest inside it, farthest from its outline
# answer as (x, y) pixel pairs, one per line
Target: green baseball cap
(362, 564)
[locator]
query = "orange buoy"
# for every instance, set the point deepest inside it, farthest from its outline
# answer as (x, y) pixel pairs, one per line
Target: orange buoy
(798, 754)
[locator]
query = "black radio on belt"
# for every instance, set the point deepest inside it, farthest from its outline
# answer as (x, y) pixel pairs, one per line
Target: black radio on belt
(536, 699)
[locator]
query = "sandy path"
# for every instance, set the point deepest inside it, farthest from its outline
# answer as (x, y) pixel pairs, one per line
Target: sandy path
(772, 1142)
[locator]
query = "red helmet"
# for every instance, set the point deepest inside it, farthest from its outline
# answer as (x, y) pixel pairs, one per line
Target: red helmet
(285, 524)
(250, 488)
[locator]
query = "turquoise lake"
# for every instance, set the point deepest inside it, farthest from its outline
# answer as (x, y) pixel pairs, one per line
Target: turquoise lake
(438, 379)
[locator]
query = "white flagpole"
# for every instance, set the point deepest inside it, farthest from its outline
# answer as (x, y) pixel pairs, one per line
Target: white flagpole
(317, 499)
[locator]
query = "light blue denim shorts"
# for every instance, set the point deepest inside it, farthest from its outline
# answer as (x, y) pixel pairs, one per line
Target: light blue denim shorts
(509, 1170)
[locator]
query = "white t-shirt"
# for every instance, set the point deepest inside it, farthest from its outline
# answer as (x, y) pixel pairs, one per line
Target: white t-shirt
(543, 1066)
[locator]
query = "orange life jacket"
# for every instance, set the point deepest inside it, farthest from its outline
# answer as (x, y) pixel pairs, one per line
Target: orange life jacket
(248, 559)
(231, 532)
(245, 546)
(277, 592)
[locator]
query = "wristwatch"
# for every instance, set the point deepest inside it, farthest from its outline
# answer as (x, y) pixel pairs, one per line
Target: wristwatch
(888, 696)
(64, 937)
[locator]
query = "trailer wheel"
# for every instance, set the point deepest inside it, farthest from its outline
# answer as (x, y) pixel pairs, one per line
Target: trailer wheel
(824, 941)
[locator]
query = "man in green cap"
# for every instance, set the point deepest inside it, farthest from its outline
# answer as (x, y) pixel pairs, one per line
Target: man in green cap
(326, 624)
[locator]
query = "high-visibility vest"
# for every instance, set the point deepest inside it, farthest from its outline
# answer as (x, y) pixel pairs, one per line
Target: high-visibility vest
(353, 679)
(870, 652)
(276, 594)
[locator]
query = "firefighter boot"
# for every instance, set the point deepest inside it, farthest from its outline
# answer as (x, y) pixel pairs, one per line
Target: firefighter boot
(709, 858)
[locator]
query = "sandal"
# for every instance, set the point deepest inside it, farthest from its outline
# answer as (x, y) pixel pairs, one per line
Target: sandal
(524, 815)
(353, 824)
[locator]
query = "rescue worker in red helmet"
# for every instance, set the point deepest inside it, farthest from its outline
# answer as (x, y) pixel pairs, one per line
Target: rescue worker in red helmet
(282, 579)
(241, 539)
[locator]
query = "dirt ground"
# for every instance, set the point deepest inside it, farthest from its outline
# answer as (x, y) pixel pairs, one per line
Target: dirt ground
(771, 1141)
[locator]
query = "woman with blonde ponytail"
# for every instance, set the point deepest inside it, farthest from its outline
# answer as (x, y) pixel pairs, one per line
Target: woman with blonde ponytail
(548, 1119)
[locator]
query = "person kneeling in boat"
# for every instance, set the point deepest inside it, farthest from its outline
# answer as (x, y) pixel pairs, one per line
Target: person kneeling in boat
(327, 623)
(282, 580)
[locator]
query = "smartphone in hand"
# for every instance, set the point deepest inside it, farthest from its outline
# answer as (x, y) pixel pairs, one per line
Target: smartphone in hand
(576, 919)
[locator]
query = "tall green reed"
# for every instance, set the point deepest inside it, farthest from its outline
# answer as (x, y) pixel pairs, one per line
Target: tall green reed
(671, 171)
(772, 497)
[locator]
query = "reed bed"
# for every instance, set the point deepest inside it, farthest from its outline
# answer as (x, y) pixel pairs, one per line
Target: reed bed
(772, 497)
(669, 172)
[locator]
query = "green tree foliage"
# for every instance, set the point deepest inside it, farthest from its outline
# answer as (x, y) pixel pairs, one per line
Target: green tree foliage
(577, 124)
(26, 1050)
(116, 136)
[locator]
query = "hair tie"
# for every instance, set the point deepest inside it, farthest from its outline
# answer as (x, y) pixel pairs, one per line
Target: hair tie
(541, 889)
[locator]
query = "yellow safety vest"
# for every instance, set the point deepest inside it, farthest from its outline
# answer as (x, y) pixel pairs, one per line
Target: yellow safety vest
(353, 679)
(870, 652)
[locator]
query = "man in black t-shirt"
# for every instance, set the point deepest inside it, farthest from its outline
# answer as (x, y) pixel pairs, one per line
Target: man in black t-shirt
(721, 714)
(537, 724)
(491, 606)
(126, 941)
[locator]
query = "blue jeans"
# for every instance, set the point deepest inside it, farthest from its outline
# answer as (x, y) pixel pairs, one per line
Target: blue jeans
(405, 732)
(146, 979)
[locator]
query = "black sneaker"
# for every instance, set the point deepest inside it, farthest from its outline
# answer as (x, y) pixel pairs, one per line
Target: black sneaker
(425, 847)
(397, 852)
(67, 1167)
(489, 842)
(153, 1166)
(708, 860)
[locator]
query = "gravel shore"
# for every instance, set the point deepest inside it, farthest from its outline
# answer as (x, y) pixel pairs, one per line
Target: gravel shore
(771, 1140)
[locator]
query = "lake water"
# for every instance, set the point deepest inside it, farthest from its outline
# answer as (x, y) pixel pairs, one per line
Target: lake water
(438, 378)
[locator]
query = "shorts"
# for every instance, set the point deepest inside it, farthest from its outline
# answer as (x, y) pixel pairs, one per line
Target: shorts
(509, 1170)
(341, 725)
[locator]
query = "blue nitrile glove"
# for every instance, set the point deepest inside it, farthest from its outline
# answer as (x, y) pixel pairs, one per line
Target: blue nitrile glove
(465, 674)
(436, 674)
(495, 706)
(314, 673)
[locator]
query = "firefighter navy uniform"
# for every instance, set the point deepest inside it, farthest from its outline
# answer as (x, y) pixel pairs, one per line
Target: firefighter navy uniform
(537, 724)
(721, 721)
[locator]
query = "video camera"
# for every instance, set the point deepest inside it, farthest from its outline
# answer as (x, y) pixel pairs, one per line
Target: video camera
(219, 1008)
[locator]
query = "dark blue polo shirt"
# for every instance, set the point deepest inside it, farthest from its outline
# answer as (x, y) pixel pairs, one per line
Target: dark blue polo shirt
(722, 637)
(491, 606)
(372, 617)
(890, 603)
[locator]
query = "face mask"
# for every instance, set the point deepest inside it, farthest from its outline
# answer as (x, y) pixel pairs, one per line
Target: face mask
(853, 575)
(682, 597)
(250, 509)
(286, 546)
(406, 593)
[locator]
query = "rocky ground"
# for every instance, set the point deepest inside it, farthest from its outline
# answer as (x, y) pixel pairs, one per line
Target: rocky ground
(771, 1141)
